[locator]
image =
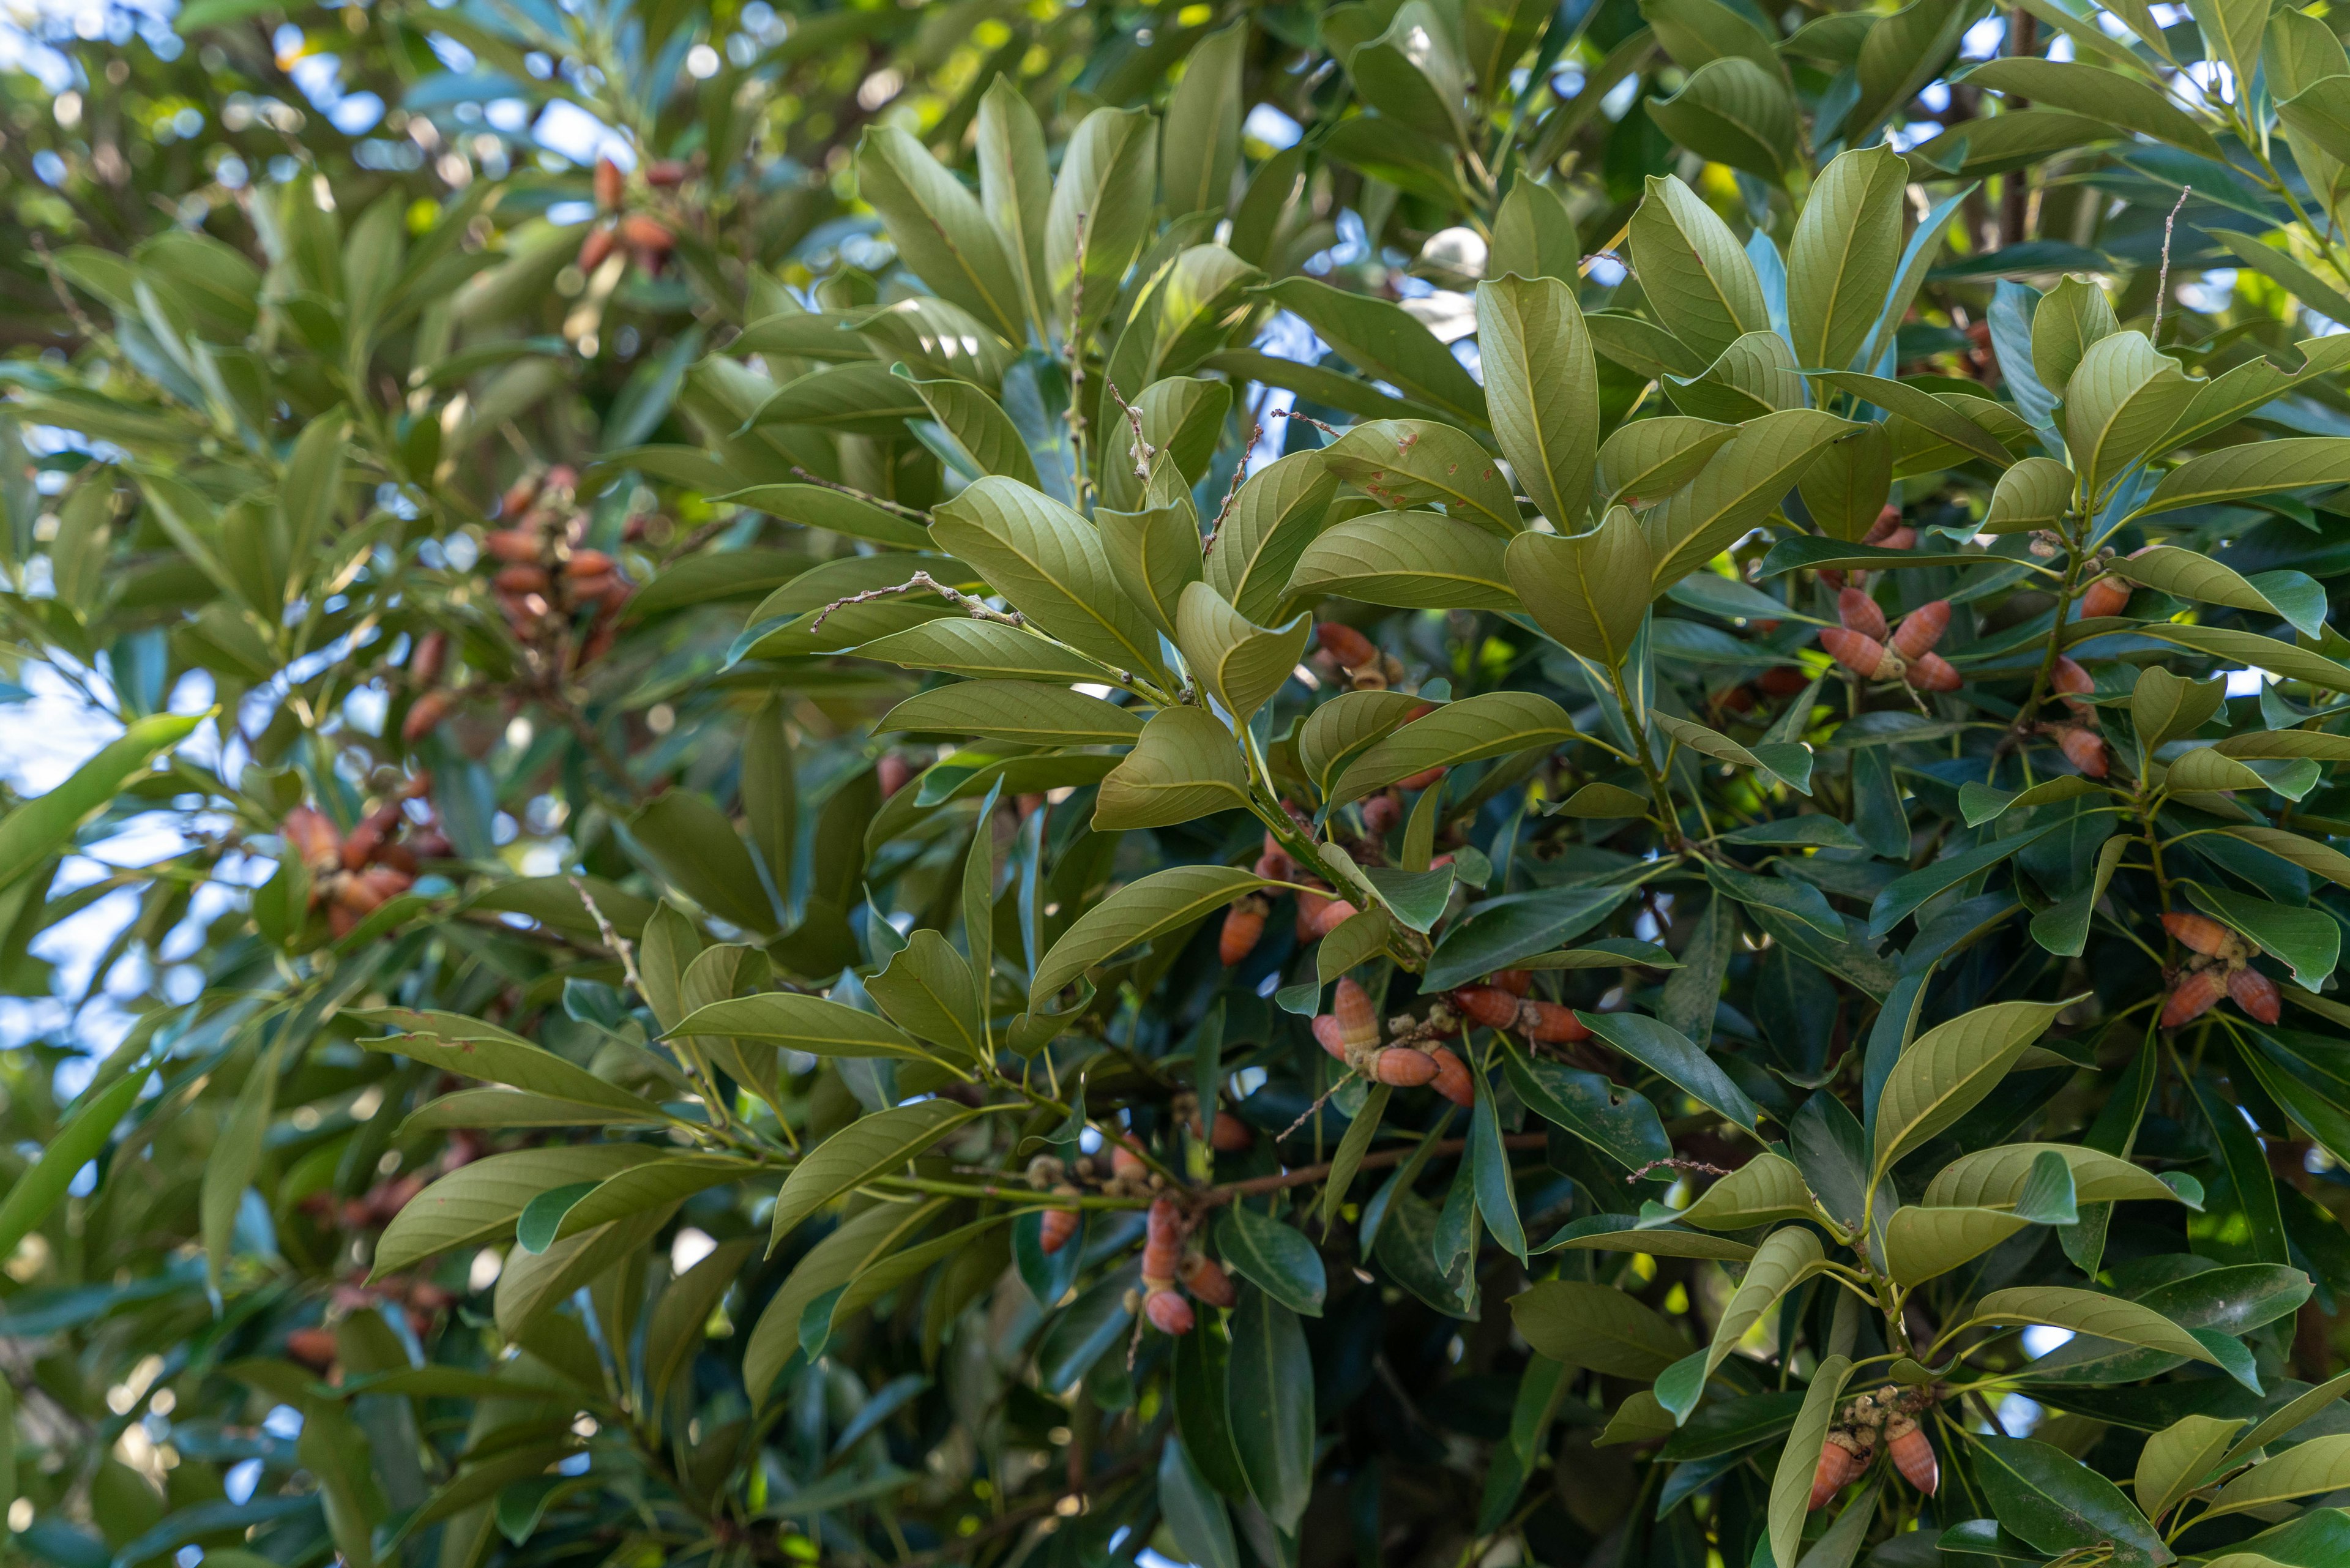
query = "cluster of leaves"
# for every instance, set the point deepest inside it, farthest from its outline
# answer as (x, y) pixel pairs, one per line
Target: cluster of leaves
(1715, 807)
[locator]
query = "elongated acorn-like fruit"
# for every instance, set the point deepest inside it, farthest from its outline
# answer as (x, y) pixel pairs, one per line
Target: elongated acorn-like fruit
(2256, 994)
(1840, 1462)
(1913, 1455)
(2084, 749)
(1864, 656)
(1859, 613)
(1402, 1068)
(1350, 648)
(2107, 596)
(2205, 935)
(1921, 628)
(1929, 672)
(2071, 680)
(1058, 1226)
(1487, 1005)
(1169, 1312)
(1243, 924)
(1549, 1021)
(1516, 981)
(2192, 997)
(1453, 1080)
(1359, 1023)
(1163, 1246)
(1205, 1278)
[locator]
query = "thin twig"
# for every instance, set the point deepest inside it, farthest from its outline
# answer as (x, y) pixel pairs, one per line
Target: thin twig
(1333, 431)
(1697, 1165)
(1074, 345)
(1305, 1174)
(1142, 451)
(865, 495)
(2162, 287)
(612, 938)
(1240, 475)
(978, 610)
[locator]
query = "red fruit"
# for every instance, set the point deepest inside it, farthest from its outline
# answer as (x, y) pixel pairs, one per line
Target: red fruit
(2192, 997)
(2107, 596)
(1839, 1464)
(2256, 994)
(1232, 1134)
(1169, 1313)
(2084, 749)
(363, 891)
(1350, 648)
(1932, 672)
(891, 773)
(313, 1347)
(591, 591)
(588, 564)
(649, 237)
(1163, 1246)
(2206, 936)
(1125, 1165)
(1274, 863)
(1059, 1225)
(610, 183)
(1382, 815)
(431, 844)
(1913, 1455)
(1243, 924)
(1358, 1024)
(1516, 981)
(1550, 1022)
(518, 496)
(1921, 628)
(1779, 681)
(424, 715)
(520, 546)
(1205, 1278)
(522, 579)
(1402, 1068)
(365, 841)
(429, 657)
(1453, 1080)
(1887, 519)
(1327, 1035)
(2071, 680)
(1860, 613)
(1487, 1005)
(1420, 780)
(1318, 915)
(310, 836)
(1865, 655)
(1901, 539)
(667, 175)
(596, 247)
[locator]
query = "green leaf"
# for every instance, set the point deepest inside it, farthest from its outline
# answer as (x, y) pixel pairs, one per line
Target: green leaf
(1154, 554)
(2282, 660)
(1277, 514)
(1845, 488)
(1765, 1188)
(1596, 1327)
(1412, 560)
(1533, 235)
(1646, 458)
(978, 425)
(1491, 724)
(1903, 894)
(681, 1318)
(1996, 1178)
(1383, 340)
(1144, 910)
(1631, 1234)
(2036, 494)
(1184, 765)
(1416, 898)
(986, 650)
(2192, 574)
(1981, 803)
(1489, 1159)
(2097, 93)
(928, 990)
(2307, 940)
(472, 1049)
(1901, 53)
(479, 1202)
(1541, 386)
(1240, 664)
(1791, 759)
(2047, 1197)
(699, 852)
(81, 1137)
(1351, 1149)
(1787, 1257)
(1015, 188)
(845, 1252)
(1948, 420)
(1617, 1122)
(2120, 400)
(1921, 1243)
(1696, 274)
(2087, 1312)
(1413, 74)
(1588, 592)
(2048, 1498)
(1108, 183)
(2179, 1459)
(1736, 490)
(1408, 463)
(1015, 710)
(1846, 248)
(655, 1184)
(1199, 143)
(1791, 1482)
(1669, 1053)
(2246, 1159)
(1049, 562)
(1276, 1258)
(1949, 1068)
(875, 1146)
(2289, 1417)
(1270, 1392)
(797, 1023)
(1730, 110)
(1342, 729)
(38, 830)
(2070, 318)
(1195, 1515)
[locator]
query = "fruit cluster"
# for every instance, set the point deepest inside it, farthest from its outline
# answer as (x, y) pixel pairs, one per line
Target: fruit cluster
(1169, 1257)
(1351, 1032)
(1864, 645)
(352, 874)
(1888, 1416)
(2222, 966)
(545, 576)
(647, 239)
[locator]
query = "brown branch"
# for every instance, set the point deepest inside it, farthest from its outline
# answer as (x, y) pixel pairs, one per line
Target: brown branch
(1258, 1184)
(923, 582)
(865, 495)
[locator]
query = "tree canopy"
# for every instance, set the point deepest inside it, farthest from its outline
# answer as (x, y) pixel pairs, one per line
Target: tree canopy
(1705, 937)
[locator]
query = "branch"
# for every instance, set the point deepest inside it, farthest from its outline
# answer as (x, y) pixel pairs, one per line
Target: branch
(978, 610)
(1258, 1184)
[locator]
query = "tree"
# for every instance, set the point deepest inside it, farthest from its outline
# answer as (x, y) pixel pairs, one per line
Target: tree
(996, 784)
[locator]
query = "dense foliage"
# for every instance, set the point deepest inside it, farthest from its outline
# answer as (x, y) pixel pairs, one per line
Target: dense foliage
(1701, 936)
